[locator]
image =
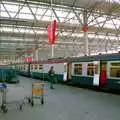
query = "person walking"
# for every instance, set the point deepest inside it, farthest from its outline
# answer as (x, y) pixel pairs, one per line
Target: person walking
(51, 74)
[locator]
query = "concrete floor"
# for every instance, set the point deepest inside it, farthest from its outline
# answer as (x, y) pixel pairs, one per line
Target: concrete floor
(67, 103)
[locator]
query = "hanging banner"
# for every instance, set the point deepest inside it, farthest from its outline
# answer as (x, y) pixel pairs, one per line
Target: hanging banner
(52, 32)
(96, 73)
(28, 59)
(49, 34)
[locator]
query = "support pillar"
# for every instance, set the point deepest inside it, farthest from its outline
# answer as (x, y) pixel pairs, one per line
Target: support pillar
(36, 55)
(85, 30)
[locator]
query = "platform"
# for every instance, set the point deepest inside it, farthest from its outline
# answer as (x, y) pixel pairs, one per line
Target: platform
(68, 103)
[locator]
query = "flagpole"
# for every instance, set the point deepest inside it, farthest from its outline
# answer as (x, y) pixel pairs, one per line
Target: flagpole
(51, 30)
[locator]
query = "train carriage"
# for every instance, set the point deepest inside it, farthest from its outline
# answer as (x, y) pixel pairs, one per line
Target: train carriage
(40, 69)
(102, 71)
(99, 70)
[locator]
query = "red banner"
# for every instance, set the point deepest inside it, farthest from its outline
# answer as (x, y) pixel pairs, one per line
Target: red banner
(28, 59)
(49, 34)
(52, 32)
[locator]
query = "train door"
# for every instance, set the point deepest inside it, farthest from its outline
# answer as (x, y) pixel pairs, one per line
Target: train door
(65, 72)
(69, 71)
(96, 73)
(103, 72)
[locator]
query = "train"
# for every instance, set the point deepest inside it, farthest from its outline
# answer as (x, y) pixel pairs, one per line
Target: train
(99, 71)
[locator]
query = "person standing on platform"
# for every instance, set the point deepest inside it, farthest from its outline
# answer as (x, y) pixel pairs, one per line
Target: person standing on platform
(51, 74)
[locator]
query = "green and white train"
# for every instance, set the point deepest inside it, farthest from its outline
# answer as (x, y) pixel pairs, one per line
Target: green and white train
(100, 71)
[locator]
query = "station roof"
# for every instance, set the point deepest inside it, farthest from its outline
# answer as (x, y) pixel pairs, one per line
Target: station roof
(23, 27)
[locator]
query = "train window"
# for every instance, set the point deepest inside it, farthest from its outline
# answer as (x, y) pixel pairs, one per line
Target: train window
(21, 67)
(24, 67)
(35, 67)
(115, 69)
(90, 69)
(78, 69)
(96, 68)
(40, 67)
(31, 67)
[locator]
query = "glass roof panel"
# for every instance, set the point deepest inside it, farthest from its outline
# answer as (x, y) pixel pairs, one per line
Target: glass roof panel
(112, 1)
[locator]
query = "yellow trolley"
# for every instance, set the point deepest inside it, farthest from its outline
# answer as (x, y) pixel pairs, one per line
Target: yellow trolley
(39, 90)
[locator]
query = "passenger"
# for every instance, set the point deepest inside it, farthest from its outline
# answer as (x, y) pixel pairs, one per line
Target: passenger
(51, 74)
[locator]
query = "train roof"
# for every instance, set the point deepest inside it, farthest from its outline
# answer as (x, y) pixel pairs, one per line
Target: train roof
(100, 57)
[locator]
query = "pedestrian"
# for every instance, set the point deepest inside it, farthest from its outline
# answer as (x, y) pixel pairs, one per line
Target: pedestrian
(51, 74)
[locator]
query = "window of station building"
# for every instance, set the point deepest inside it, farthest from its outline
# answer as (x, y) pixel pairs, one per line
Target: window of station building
(90, 69)
(78, 69)
(115, 69)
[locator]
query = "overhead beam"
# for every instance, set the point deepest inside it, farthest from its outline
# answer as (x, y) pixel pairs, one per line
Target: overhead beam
(30, 37)
(78, 18)
(43, 24)
(55, 14)
(38, 42)
(68, 5)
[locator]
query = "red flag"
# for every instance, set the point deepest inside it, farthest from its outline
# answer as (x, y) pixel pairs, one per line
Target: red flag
(52, 32)
(49, 34)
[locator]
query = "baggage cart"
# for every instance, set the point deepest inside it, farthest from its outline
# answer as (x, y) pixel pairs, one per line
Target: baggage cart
(12, 94)
(39, 90)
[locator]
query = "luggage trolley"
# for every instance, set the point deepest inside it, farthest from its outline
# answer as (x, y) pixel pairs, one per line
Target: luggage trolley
(39, 89)
(3, 90)
(10, 96)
